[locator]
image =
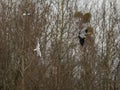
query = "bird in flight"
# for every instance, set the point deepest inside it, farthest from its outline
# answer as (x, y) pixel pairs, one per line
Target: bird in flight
(37, 49)
(26, 13)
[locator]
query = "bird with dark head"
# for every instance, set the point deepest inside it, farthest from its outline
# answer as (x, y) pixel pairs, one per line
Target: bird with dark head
(82, 35)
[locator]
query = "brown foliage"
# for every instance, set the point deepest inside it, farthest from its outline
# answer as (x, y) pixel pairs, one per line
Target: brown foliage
(64, 64)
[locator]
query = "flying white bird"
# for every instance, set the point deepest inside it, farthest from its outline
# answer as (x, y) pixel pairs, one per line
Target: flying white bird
(26, 13)
(37, 49)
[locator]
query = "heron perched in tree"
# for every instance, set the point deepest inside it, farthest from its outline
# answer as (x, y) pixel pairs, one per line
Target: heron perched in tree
(82, 35)
(37, 49)
(85, 32)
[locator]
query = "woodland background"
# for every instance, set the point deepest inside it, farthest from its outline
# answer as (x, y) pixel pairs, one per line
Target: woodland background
(64, 64)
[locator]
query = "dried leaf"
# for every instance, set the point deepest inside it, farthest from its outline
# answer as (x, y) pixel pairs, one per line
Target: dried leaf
(86, 17)
(78, 14)
(90, 29)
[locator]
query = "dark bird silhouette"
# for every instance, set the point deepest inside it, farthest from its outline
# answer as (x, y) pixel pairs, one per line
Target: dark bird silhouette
(81, 40)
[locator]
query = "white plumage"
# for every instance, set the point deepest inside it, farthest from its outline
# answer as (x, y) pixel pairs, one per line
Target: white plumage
(83, 33)
(37, 49)
(26, 13)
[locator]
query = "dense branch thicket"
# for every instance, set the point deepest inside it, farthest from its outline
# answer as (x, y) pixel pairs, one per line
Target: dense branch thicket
(64, 64)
